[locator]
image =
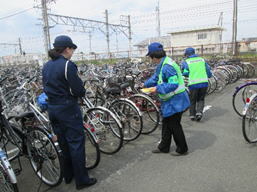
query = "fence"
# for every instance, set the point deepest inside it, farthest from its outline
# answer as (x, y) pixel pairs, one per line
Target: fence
(243, 47)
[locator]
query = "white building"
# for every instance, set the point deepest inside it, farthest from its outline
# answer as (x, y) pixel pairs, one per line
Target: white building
(204, 39)
(22, 59)
(142, 46)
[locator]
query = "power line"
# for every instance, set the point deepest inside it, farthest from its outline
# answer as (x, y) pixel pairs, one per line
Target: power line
(14, 14)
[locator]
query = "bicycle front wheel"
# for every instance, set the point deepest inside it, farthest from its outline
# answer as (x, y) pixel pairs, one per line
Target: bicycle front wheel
(150, 112)
(249, 123)
(130, 117)
(92, 150)
(44, 157)
(5, 182)
(107, 129)
(240, 95)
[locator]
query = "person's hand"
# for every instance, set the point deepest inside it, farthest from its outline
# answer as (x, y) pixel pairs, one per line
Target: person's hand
(153, 90)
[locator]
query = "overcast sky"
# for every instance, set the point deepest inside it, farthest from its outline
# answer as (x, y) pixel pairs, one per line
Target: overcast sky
(175, 15)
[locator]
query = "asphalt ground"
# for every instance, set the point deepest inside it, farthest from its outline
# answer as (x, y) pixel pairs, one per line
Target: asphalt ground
(219, 159)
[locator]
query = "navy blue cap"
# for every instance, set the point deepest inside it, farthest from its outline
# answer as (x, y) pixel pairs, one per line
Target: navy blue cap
(189, 51)
(154, 47)
(64, 41)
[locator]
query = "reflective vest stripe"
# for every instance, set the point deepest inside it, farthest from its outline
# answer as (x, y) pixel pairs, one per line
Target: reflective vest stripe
(180, 89)
(198, 80)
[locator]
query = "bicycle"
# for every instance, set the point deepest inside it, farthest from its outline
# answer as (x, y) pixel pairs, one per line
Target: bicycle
(240, 95)
(249, 113)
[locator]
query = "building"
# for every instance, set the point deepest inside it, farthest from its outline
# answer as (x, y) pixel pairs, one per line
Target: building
(22, 59)
(142, 46)
(203, 40)
(248, 45)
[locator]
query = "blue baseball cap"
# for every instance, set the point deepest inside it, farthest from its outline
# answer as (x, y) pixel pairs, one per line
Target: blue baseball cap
(64, 41)
(154, 47)
(189, 51)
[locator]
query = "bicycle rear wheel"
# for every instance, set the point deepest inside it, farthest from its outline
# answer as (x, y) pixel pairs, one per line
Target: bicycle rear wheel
(44, 157)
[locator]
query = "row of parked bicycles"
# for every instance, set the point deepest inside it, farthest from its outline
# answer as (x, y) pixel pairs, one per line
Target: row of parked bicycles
(114, 109)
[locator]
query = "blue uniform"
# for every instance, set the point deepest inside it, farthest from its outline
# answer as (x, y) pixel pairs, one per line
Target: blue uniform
(63, 86)
(185, 72)
(197, 91)
(172, 109)
(179, 102)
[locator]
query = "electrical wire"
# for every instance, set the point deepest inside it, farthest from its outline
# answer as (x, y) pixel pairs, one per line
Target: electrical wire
(14, 14)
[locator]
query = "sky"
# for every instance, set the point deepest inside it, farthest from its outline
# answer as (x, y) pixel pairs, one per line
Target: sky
(175, 15)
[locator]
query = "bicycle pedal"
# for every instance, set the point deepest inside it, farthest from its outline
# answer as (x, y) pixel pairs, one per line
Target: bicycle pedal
(17, 172)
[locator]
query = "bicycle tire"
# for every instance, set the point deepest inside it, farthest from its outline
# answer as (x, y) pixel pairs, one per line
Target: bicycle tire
(36, 156)
(107, 128)
(250, 118)
(147, 107)
(131, 121)
(92, 151)
(239, 97)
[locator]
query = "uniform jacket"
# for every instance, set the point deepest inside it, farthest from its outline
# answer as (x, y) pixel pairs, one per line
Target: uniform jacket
(62, 84)
(185, 72)
(178, 102)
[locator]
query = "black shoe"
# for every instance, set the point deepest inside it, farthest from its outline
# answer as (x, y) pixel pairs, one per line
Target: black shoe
(192, 117)
(174, 153)
(68, 181)
(92, 181)
(158, 151)
(198, 117)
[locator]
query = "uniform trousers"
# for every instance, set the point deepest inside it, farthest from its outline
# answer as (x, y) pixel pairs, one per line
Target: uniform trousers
(171, 126)
(67, 123)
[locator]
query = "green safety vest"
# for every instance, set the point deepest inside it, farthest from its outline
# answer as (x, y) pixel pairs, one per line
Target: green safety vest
(197, 71)
(181, 86)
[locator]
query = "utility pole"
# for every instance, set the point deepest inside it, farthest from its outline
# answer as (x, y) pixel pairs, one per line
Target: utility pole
(20, 48)
(107, 33)
(90, 41)
(220, 23)
(158, 28)
(45, 26)
(234, 29)
(130, 37)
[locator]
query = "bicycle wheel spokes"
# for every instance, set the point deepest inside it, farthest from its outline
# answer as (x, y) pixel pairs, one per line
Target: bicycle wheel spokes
(44, 157)
(250, 123)
(106, 129)
(130, 118)
(239, 98)
(92, 151)
(149, 111)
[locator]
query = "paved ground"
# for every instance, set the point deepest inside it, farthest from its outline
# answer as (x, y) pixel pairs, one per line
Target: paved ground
(219, 160)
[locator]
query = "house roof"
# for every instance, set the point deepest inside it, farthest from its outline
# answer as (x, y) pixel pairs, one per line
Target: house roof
(215, 28)
(165, 40)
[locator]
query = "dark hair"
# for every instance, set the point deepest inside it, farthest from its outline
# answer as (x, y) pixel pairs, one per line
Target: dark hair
(56, 52)
(157, 54)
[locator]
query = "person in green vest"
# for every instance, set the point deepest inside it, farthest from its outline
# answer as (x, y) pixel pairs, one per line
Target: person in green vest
(198, 71)
(168, 83)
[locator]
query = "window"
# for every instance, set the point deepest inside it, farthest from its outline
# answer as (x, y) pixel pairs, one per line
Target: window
(202, 36)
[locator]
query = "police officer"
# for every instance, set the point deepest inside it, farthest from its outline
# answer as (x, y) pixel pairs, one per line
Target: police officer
(63, 88)
(169, 85)
(198, 72)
